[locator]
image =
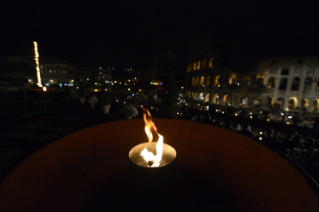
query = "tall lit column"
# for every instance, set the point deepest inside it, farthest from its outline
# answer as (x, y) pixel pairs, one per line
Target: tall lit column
(36, 58)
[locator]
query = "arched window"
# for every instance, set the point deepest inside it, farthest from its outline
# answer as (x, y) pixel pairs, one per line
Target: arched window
(187, 81)
(197, 81)
(271, 82)
(201, 96)
(243, 101)
(233, 79)
(315, 107)
(246, 80)
(194, 66)
(227, 100)
(305, 104)
(280, 102)
(256, 101)
(210, 65)
(308, 81)
(216, 99)
(202, 81)
(207, 97)
(292, 104)
(193, 81)
(260, 82)
(283, 83)
(295, 84)
(198, 65)
(285, 72)
(217, 81)
(204, 64)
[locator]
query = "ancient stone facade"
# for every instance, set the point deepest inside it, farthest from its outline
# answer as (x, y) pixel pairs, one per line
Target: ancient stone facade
(288, 83)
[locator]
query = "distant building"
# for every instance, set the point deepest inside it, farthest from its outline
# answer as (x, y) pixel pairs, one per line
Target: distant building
(57, 71)
(288, 83)
(53, 70)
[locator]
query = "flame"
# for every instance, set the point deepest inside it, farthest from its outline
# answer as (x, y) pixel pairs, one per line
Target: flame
(150, 128)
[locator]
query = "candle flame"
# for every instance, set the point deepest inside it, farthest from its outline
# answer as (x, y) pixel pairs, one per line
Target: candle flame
(150, 129)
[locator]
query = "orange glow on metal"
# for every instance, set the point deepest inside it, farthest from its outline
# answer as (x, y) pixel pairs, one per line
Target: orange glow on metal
(36, 58)
(150, 128)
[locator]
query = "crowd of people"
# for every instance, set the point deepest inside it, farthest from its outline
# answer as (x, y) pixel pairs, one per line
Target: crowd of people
(304, 150)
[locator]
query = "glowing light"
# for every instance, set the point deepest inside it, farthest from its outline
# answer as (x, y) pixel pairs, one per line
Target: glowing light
(182, 87)
(260, 132)
(44, 88)
(36, 58)
(236, 114)
(150, 128)
(128, 89)
(251, 117)
(222, 112)
(268, 119)
(260, 138)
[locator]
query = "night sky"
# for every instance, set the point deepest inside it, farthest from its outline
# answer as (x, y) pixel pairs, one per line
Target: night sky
(126, 34)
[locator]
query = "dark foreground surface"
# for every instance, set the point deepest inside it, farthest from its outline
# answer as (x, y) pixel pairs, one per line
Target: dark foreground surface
(30, 125)
(215, 170)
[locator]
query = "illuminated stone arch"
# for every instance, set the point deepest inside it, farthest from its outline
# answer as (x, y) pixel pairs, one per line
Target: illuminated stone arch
(247, 80)
(283, 83)
(305, 104)
(280, 101)
(292, 103)
(187, 95)
(315, 106)
(216, 99)
(197, 81)
(256, 101)
(202, 81)
(196, 96)
(217, 81)
(201, 96)
(227, 100)
(207, 97)
(233, 78)
(260, 82)
(243, 101)
(193, 81)
(198, 65)
(271, 82)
